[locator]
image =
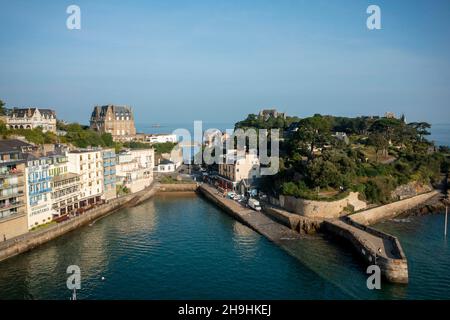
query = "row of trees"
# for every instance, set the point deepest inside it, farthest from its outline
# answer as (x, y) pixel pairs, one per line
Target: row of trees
(83, 137)
(258, 122)
(313, 159)
(79, 136)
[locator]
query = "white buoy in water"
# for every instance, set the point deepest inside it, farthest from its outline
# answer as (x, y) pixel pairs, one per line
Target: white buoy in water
(103, 278)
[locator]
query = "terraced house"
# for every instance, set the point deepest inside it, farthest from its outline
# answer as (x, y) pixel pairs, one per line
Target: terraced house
(38, 182)
(65, 186)
(109, 174)
(135, 169)
(13, 214)
(238, 167)
(88, 164)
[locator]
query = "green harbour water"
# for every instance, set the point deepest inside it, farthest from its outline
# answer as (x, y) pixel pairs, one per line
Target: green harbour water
(179, 246)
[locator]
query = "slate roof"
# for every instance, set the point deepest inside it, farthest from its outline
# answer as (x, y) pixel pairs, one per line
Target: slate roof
(165, 161)
(29, 112)
(101, 111)
(12, 145)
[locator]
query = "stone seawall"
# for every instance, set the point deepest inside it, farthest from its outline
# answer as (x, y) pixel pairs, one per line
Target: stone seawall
(286, 226)
(320, 209)
(388, 211)
(391, 260)
(303, 225)
(35, 238)
(177, 187)
(257, 221)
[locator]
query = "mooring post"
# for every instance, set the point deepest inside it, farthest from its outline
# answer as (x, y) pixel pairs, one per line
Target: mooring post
(445, 227)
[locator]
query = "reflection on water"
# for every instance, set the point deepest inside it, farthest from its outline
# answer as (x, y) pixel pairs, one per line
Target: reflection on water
(181, 247)
(245, 240)
(428, 254)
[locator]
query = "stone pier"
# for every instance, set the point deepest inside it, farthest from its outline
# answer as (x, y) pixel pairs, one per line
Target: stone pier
(374, 246)
(251, 218)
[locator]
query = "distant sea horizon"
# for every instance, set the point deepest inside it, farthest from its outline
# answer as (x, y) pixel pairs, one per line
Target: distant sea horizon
(440, 132)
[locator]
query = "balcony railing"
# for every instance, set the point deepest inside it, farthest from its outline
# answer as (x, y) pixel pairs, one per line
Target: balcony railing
(11, 205)
(3, 196)
(43, 179)
(8, 185)
(44, 190)
(11, 173)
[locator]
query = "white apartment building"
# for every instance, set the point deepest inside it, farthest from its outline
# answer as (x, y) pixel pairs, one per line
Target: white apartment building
(238, 167)
(88, 165)
(65, 186)
(38, 189)
(134, 169)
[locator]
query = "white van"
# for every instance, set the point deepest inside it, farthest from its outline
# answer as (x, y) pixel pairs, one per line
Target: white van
(254, 204)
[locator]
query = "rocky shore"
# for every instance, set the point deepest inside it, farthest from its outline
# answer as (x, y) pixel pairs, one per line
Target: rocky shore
(434, 205)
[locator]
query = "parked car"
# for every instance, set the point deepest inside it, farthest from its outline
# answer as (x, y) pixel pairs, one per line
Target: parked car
(254, 204)
(231, 195)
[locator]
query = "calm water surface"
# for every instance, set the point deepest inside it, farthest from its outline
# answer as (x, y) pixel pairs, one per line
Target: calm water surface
(182, 247)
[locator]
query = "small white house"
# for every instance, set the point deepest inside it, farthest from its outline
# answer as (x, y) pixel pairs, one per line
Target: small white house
(166, 166)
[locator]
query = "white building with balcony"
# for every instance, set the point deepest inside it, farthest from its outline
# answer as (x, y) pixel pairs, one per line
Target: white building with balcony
(38, 187)
(88, 164)
(134, 169)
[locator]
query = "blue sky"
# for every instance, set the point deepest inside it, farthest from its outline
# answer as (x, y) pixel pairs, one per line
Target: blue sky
(176, 61)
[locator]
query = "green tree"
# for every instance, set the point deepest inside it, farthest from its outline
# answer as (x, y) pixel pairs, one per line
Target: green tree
(107, 139)
(393, 130)
(165, 147)
(380, 142)
(313, 132)
(3, 129)
(323, 173)
(421, 128)
(2, 108)
(378, 190)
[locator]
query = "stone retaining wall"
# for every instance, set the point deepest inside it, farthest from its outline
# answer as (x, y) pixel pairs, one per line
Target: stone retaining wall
(303, 225)
(177, 187)
(320, 209)
(390, 210)
(395, 270)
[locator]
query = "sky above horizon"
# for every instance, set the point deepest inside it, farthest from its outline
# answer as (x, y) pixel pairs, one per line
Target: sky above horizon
(217, 61)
